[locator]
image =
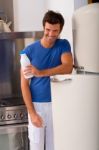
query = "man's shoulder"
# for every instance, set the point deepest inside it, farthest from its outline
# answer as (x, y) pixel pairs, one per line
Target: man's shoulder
(31, 47)
(62, 41)
(64, 45)
(33, 44)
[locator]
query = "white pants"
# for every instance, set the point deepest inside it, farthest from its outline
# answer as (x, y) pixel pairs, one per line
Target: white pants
(42, 138)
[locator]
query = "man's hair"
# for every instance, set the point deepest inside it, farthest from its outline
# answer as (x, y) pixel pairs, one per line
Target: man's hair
(53, 18)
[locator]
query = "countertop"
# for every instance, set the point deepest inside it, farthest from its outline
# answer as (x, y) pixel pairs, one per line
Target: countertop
(15, 35)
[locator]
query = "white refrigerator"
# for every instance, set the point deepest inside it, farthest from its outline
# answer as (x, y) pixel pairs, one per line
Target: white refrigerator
(76, 96)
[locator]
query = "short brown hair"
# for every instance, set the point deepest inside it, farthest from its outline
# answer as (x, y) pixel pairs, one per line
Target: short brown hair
(53, 18)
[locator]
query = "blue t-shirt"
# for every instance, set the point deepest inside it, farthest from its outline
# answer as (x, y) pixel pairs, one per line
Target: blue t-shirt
(44, 58)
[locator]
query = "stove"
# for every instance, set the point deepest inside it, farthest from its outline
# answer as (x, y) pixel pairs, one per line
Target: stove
(12, 111)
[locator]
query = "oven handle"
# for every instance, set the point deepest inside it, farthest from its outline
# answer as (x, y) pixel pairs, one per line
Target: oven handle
(8, 129)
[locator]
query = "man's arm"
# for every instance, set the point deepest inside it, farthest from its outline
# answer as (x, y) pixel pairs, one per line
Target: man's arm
(35, 118)
(65, 68)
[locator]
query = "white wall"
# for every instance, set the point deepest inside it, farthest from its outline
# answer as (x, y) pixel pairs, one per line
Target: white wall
(28, 14)
(66, 7)
(80, 3)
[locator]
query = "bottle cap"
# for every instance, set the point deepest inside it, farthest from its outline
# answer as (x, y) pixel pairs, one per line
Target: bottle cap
(22, 52)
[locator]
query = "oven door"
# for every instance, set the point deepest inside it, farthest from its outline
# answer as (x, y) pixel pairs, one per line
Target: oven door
(14, 137)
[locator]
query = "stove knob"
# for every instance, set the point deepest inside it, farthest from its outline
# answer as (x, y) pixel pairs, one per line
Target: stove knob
(26, 116)
(2, 117)
(9, 116)
(15, 116)
(21, 115)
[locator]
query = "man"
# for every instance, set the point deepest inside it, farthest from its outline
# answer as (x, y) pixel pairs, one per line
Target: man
(49, 56)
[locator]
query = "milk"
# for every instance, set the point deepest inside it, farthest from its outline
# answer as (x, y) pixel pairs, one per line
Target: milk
(24, 63)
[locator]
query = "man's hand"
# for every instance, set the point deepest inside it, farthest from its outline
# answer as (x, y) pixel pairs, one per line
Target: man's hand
(37, 120)
(31, 70)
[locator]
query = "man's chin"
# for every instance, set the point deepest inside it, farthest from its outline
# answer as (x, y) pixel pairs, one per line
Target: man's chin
(51, 39)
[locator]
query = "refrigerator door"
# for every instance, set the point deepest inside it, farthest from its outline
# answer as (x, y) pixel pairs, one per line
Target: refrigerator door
(76, 112)
(86, 37)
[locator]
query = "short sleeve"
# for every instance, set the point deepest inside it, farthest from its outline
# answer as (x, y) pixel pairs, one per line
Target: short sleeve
(27, 51)
(65, 46)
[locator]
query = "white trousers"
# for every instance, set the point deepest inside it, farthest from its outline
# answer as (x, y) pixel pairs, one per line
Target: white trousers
(42, 138)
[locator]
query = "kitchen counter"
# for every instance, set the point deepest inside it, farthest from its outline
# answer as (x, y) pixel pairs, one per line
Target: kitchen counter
(14, 35)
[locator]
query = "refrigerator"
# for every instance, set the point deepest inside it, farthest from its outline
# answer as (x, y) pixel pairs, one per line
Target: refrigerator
(75, 97)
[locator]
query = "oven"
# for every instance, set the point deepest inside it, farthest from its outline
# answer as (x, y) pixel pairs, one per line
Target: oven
(13, 128)
(13, 113)
(14, 137)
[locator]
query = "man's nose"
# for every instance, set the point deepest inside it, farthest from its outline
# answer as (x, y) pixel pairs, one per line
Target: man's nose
(51, 33)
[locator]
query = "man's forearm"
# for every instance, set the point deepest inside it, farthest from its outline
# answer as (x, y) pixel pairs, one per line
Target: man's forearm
(27, 99)
(61, 69)
(65, 68)
(27, 95)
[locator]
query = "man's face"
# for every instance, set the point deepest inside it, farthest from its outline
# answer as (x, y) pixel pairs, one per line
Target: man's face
(51, 32)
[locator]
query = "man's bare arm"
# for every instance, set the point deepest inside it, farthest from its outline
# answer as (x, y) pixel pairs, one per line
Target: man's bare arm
(65, 68)
(35, 118)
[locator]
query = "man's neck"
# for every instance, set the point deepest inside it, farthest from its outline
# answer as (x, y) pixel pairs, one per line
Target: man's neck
(46, 44)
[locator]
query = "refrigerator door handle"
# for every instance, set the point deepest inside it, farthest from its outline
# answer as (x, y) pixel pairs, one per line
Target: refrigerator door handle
(54, 79)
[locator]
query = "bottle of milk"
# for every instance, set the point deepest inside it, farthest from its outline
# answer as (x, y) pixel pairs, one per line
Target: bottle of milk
(24, 63)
